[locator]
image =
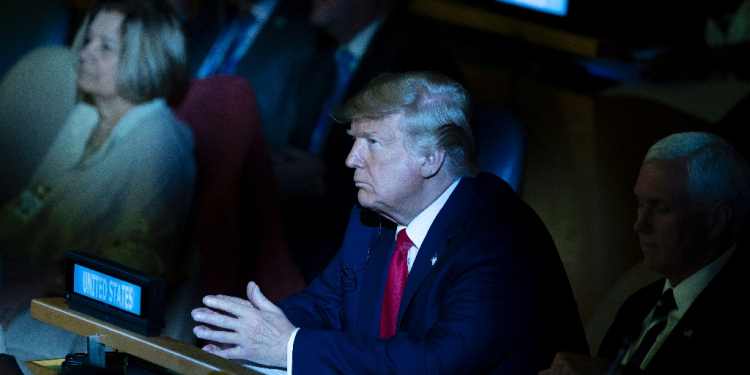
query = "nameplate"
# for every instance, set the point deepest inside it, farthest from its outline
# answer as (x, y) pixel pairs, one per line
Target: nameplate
(115, 293)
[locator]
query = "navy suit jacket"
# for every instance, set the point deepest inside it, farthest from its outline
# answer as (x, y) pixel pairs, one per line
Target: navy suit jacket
(710, 338)
(487, 293)
(284, 42)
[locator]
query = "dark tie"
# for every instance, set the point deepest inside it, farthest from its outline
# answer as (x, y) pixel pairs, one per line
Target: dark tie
(657, 324)
(229, 48)
(394, 287)
(344, 61)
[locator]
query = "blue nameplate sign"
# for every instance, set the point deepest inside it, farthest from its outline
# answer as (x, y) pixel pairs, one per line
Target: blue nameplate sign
(115, 293)
(107, 289)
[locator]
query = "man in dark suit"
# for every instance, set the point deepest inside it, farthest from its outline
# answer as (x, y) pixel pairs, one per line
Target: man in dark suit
(472, 285)
(693, 191)
(264, 41)
(359, 40)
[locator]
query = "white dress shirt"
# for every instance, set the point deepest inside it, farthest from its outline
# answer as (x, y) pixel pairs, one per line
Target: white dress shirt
(684, 294)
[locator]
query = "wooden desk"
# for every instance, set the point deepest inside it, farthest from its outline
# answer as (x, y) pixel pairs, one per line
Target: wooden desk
(164, 351)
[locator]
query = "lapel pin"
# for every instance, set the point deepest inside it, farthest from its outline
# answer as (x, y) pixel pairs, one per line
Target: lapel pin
(434, 259)
(687, 332)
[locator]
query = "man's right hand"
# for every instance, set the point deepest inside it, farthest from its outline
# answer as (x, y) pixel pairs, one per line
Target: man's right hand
(254, 329)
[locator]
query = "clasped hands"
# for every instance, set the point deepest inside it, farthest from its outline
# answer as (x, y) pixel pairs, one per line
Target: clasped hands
(254, 329)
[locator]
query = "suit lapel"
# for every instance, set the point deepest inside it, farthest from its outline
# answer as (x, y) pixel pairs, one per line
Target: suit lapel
(266, 42)
(701, 316)
(443, 230)
(373, 282)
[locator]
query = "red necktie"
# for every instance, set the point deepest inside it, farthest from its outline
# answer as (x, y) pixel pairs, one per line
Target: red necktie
(394, 287)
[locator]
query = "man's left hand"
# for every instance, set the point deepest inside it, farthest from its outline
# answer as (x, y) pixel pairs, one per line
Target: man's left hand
(254, 329)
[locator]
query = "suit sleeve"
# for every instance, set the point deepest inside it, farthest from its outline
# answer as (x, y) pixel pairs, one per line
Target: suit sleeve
(483, 309)
(319, 305)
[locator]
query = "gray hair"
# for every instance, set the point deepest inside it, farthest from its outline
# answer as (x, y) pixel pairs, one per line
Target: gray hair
(153, 59)
(434, 109)
(716, 171)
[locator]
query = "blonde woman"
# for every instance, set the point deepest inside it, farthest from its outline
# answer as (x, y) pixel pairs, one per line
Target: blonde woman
(118, 180)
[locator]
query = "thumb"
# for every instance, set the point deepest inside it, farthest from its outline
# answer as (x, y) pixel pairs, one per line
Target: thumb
(257, 298)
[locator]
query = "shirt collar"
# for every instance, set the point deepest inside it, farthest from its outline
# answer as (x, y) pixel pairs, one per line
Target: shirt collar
(133, 118)
(417, 229)
(357, 46)
(688, 290)
(263, 9)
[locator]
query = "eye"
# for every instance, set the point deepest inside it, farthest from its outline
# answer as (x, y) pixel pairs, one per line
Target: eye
(111, 47)
(373, 144)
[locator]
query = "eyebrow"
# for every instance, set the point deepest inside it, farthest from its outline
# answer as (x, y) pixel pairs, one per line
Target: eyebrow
(108, 38)
(111, 40)
(653, 200)
(362, 134)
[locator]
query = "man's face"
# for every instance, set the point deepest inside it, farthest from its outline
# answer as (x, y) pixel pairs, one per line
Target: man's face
(388, 175)
(673, 232)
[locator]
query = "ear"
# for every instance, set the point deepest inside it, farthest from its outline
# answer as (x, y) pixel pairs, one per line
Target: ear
(432, 163)
(719, 218)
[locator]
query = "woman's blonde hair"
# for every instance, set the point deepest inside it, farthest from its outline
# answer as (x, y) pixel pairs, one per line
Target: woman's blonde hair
(153, 58)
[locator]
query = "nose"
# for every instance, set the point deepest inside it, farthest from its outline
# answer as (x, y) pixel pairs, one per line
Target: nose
(354, 160)
(643, 221)
(86, 51)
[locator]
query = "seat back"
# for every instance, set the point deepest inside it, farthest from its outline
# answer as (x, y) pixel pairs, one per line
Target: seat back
(36, 97)
(236, 222)
(26, 25)
(500, 141)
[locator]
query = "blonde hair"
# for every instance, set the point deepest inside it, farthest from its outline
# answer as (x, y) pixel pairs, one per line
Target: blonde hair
(434, 109)
(153, 59)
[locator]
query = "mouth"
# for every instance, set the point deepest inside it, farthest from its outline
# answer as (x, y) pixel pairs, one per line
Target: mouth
(83, 69)
(360, 184)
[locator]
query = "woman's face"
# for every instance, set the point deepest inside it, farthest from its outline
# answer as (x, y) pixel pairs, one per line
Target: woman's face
(97, 68)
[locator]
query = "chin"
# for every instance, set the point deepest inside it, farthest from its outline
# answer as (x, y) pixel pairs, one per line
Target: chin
(363, 199)
(85, 86)
(653, 263)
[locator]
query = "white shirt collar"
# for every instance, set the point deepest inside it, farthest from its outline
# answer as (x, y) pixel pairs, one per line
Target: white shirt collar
(684, 294)
(688, 290)
(263, 9)
(357, 46)
(417, 229)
